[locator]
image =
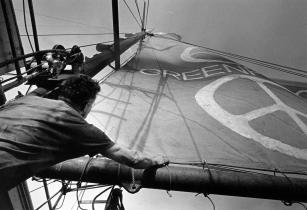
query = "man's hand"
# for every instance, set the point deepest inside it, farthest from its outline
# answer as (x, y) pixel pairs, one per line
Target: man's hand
(161, 161)
(135, 159)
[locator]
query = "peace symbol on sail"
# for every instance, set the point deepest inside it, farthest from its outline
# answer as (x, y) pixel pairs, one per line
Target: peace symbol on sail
(240, 123)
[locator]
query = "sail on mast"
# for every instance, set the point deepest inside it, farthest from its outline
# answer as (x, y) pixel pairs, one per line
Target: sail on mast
(167, 68)
(202, 109)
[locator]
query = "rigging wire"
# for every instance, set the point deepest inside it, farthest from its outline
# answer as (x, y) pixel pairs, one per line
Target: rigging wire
(61, 203)
(93, 59)
(138, 9)
(15, 77)
(230, 54)
(63, 194)
(89, 45)
(68, 20)
(261, 169)
(239, 168)
(78, 199)
(261, 63)
(26, 26)
(240, 56)
(42, 186)
(74, 34)
(146, 14)
(29, 88)
(48, 200)
(95, 198)
(80, 182)
(105, 42)
(88, 187)
(281, 68)
(132, 14)
(74, 205)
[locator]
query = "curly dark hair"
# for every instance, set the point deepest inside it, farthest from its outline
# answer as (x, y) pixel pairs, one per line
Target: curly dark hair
(79, 89)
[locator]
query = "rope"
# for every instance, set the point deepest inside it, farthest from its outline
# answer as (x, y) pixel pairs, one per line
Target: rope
(170, 181)
(64, 191)
(115, 200)
(281, 68)
(238, 168)
(80, 181)
(304, 206)
(184, 119)
(207, 196)
(84, 169)
(205, 163)
(133, 179)
(95, 198)
(209, 170)
(106, 42)
(61, 203)
(29, 89)
(87, 187)
(292, 186)
(132, 14)
(138, 9)
(147, 14)
(68, 20)
(89, 45)
(78, 201)
(48, 200)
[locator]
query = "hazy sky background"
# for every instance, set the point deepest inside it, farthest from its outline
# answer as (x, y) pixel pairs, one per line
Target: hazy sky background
(271, 30)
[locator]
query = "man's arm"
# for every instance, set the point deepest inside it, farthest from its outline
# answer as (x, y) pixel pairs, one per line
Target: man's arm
(134, 159)
(38, 92)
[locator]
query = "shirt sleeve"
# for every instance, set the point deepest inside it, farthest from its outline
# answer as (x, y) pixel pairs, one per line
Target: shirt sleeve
(38, 92)
(93, 140)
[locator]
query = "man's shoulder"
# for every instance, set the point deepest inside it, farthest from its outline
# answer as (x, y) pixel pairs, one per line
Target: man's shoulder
(39, 92)
(34, 99)
(38, 102)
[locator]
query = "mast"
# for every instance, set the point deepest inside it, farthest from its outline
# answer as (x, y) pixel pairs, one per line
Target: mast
(95, 64)
(11, 46)
(116, 33)
(188, 179)
(10, 34)
(31, 9)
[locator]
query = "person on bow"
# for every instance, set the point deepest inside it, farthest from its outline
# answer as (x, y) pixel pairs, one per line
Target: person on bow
(37, 132)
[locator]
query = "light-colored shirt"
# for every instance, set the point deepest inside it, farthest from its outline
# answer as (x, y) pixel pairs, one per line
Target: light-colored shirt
(37, 132)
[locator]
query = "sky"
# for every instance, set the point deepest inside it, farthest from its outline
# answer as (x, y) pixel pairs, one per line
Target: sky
(273, 31)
